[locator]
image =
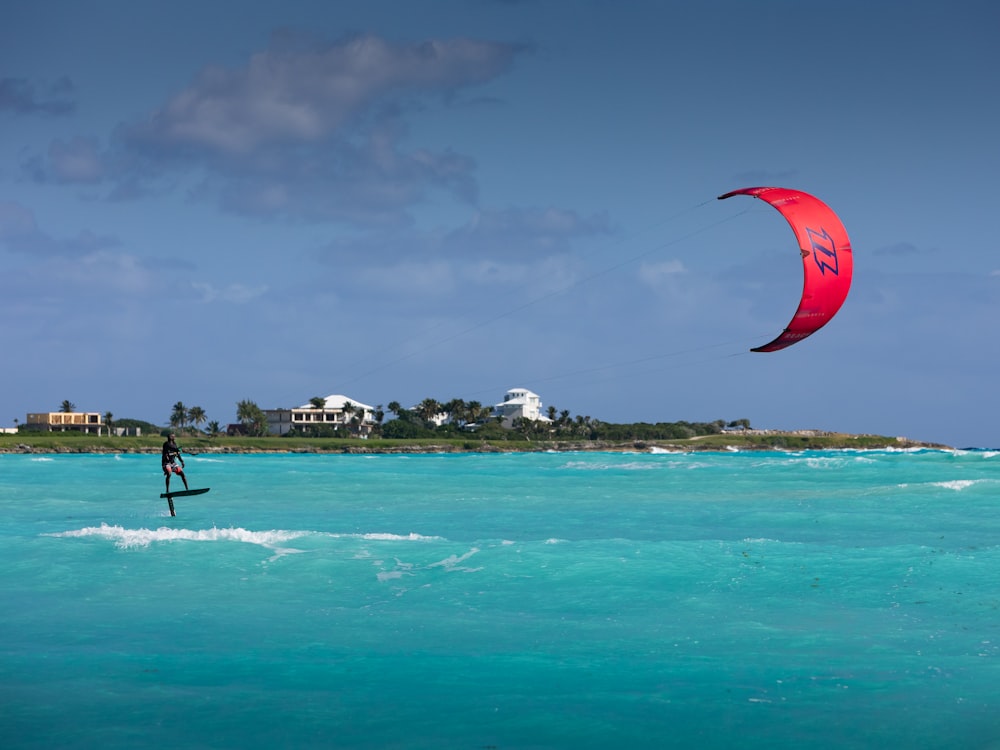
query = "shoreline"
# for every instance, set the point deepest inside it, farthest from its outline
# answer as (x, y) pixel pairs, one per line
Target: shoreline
(769, 440)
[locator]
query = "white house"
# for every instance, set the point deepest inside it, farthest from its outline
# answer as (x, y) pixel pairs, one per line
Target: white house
(442, 417)
(519, 402)
(338, 412)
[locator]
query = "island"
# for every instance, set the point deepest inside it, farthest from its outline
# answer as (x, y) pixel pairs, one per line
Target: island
(740, 440)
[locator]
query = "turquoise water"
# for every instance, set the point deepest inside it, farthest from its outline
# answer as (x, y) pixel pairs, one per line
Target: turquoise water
(571, 600)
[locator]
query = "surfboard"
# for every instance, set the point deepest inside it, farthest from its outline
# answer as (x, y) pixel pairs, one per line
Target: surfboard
(184, 493)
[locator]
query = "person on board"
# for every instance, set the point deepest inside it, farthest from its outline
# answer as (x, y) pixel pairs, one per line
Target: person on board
(170, 456)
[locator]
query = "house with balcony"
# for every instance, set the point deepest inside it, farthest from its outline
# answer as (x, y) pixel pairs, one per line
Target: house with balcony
(65, 421)
(519, 403)
(338, 412)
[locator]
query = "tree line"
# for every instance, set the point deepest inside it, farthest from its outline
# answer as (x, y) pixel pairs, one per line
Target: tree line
(433, 418)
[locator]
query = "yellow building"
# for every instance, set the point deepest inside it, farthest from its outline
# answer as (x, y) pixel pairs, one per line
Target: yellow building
(63, 421)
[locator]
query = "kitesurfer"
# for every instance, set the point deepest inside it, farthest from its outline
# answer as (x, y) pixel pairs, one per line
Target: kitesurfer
(170, 456)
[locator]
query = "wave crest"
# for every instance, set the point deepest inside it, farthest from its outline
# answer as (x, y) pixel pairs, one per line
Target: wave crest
(131, 538)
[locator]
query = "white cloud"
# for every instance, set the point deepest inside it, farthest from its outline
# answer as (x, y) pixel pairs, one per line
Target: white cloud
(20, 233)
(78, 160)
(117, 272)
(524, 233)
(411, 277)
(15, 221)
(305, 129)
(75, 289)
(311, 130)
(234, 293)
(655, 274)
(298, 91)
(20, 95)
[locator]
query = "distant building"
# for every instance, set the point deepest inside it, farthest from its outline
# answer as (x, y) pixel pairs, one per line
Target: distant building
(339, 412)
(65, 421)
(438, 419)
(519, 402)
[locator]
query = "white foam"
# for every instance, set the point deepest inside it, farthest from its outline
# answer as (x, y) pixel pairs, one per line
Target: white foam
(606, 466)
(836, 462)
(450, 564)
(131, 538)
(453, 562)
(380, 536)
(957, 484)
(384, 537)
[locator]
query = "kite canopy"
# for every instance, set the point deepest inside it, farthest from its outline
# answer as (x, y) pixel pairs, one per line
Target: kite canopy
(826, 260)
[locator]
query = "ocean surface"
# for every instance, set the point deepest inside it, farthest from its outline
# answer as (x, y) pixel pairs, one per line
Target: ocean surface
(552, 600)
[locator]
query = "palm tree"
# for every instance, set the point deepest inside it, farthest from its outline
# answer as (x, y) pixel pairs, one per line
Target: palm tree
(357, 417)
(197, 415)
(474, 411)
(523, 425)
(252, 417)
(319, 404)
(179, 416)
(245, 411)
(67, 407)
(213, 429)
(395, 407)
(428, 409)
(457, 411)
(109, 421)
(348, 408)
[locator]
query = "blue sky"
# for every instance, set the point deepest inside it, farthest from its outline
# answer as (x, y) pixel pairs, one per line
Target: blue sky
(210, 202)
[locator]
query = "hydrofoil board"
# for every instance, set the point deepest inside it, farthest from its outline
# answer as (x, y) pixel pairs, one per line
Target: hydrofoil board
(184, 493)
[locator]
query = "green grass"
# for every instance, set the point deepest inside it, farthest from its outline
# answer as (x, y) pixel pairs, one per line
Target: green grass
(792, 442)
(69, 442)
